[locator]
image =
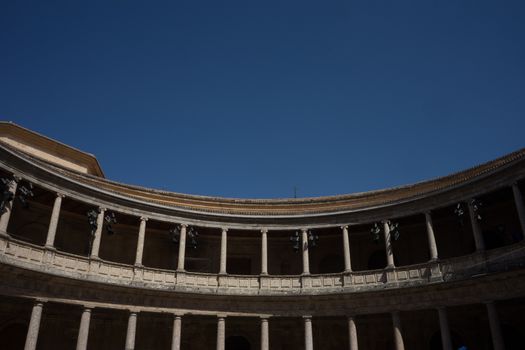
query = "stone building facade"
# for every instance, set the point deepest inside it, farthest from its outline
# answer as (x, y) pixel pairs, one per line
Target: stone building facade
(88, 263)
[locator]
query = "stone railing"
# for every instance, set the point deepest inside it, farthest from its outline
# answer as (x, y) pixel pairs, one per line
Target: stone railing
(33, 257)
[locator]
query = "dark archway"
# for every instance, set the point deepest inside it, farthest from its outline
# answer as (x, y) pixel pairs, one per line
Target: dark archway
(13, 336)
(237, 342)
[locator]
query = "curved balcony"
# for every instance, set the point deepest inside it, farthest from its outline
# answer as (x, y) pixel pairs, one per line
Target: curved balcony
(36, 258)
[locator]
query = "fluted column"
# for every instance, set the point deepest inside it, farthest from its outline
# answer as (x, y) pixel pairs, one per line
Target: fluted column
(388, 245)
(34, 326)
(431, 237)
(140, 241)
(444, 328)
(4, 219)
(398, 335)
(224, 250)
(495, 329)
(308, 334)
(53, 223)
(304, 245)
(221, 333)
(182, 248)
(83, 331)
(346, 249)
(98, 234)
(132, 330)
(476, 229)
(520, 207)
(265, 334)
(176, 336)
(264, 252)
(352, 333)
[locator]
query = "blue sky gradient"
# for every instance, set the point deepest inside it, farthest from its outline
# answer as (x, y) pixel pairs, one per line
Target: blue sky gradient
(251, 99)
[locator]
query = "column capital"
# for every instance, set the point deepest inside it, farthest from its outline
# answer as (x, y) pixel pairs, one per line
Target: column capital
(87, 308)
(264, 318)
(61, 195)
(427, 212)
(17, 178)
(102, 209)
(183, 225)
(264, 230)
(304, 229)
(344, 227)
(224, 229)
(144, 218)
(222, 316)
(307, 317)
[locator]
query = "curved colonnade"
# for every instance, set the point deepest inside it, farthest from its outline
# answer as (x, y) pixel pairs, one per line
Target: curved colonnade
(486, 274)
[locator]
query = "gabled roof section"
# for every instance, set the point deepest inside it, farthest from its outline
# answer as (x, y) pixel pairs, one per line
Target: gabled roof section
(49, 150)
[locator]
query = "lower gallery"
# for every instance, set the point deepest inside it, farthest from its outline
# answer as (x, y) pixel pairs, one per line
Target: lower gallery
(89, 263)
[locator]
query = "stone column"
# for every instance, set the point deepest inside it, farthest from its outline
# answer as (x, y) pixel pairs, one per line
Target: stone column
(304, 245)
(444, 328)
(34, 326)
(98, 234)
(431, 237)
(140, 241)
(176, 336)
(132, 329)
(53, 223)
(476, 229)
(520, 207)
(221, 333)
(182, 248)
(4, 220)
(495, 330)
(265, 334)
(388, 245)
(352, 333)
(346, 249)
(264, 252)
(224, 249)
(398, 335)
(83, 331)
(308, 335)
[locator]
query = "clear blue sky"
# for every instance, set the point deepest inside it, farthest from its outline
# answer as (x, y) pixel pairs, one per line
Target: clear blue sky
(249, 99)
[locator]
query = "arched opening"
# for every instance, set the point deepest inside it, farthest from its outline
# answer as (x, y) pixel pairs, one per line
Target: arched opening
(13, 336)
(237, 342)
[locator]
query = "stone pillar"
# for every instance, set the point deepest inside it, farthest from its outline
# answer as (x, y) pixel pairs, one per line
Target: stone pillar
(53, 223)
(4, 220)
(132, 329)
(34, 326)
(265, 334)
(352, 333)
(98, 234)
(495, 329)
(182, 248)
(346, 249)
(398, 335)
(388, 245)
(176, 336)
(83, 331)
(304, 245)
(221, 333)
(476, 229)
(431, 237)
(444, 328)
(308, 335)
(520, 207)
(224, 250)
(264, 252)
(140, 241)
